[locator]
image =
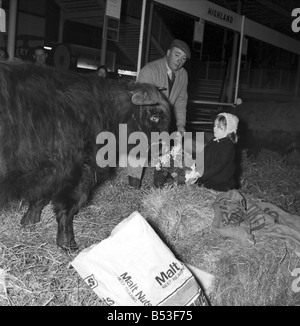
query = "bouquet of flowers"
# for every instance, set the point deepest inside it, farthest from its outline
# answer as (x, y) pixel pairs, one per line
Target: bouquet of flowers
(178, 164)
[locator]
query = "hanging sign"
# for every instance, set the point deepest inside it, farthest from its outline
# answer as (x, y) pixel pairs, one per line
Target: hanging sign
(2, 21)
(113, 14)
(113, 8)
(198, 31)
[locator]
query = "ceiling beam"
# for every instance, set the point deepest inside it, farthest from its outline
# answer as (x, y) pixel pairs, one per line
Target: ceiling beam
(278, 9)
(225, 18)
(83, 14)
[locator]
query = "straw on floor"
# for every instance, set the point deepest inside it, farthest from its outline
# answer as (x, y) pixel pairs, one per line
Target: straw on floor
(33, 271)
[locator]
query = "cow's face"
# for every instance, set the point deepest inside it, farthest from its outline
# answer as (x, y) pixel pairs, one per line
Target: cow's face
(152, 110)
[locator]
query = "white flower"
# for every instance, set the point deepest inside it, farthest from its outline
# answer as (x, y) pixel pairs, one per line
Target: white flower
(158, 166)
(165, 159)
(176, 150)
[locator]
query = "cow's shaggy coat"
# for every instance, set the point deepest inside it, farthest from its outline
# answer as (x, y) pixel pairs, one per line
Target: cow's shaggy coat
(49, 122)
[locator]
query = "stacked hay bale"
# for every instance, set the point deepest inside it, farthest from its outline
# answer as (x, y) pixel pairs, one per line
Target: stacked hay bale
(260, 275)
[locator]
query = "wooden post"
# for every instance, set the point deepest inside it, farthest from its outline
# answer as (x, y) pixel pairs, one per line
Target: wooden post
(229, 92)
(148, 40)
(2, 42)
(232, 68)
(239, 61)
(104, 38)
(11, 40)
(141, 37)
(223, 45)
(61, 27)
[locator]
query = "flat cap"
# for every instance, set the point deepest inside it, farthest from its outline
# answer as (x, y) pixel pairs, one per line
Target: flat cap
(182, 46)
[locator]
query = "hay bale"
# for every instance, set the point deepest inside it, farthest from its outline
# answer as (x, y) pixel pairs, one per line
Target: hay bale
(37, 273)
(272, 178)
(179, 211)
(260, 275)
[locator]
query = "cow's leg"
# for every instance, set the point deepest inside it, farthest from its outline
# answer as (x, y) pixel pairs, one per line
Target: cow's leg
(65, 234)
(67, 203)
(33, 214)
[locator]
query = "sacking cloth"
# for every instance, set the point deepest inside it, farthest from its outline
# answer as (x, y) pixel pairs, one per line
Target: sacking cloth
(237, 216)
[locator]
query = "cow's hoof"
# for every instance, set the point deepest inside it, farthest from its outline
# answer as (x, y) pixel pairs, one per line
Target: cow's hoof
(68, 245)
(70, 249)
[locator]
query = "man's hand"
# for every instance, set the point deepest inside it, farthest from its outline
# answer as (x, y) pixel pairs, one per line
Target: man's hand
(181, 130)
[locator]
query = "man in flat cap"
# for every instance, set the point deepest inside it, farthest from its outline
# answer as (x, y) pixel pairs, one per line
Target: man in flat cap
(168, 73)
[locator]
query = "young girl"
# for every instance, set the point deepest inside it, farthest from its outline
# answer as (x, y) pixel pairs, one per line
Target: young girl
(219, 155)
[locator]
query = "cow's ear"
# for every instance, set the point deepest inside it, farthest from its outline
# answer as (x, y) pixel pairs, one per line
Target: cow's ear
(140, 98)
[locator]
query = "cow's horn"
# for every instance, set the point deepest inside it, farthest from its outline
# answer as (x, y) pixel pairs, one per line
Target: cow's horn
(161, 88)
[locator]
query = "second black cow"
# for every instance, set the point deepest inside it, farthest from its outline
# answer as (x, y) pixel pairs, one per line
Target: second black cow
(49, 122)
